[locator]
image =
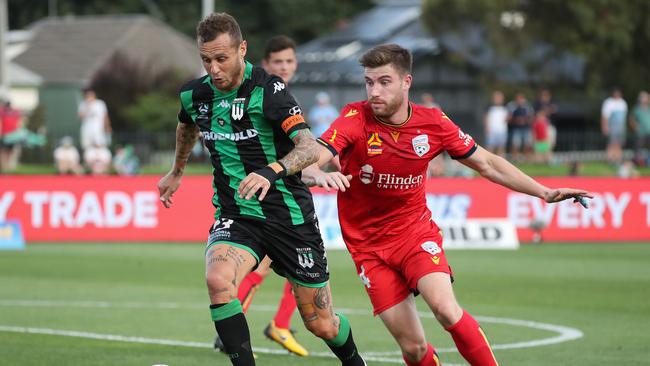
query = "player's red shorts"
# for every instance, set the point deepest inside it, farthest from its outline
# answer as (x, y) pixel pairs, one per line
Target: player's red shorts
(390, 275)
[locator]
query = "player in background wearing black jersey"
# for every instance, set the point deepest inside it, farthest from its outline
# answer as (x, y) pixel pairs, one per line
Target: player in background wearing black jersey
(258, 143)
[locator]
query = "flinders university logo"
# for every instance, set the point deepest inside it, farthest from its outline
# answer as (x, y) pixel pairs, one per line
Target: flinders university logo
(305, 257)
(238, 108)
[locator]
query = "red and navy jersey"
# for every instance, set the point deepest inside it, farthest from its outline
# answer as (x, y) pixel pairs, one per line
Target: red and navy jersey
(388, 164)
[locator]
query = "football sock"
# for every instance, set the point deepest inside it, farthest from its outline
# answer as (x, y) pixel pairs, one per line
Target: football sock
(343, 345)
(231, 326)
(286, 308)
(472, 342)
(247, 289)
(430, 359)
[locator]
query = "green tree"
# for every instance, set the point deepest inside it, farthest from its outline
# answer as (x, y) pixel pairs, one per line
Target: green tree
(613, 36)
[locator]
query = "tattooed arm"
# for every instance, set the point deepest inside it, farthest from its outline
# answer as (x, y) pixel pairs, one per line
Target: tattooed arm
(186, 135)
(305, 153)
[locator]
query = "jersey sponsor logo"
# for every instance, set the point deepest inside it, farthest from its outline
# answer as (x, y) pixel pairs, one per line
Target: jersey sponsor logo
(394, 135)
(435, 259)
(431, 247)
(352, 112)
(237, 136)
(367, 175)
(364, 278)
(421, 144)
(305, 257)
(291, 122)
(238, 108)
(278, 86)
(465, 137)
(295, 110)
(223, 104)
(374, 144)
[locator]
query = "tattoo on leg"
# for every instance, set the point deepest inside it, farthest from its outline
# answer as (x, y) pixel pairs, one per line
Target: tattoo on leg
(322, 298)
(307, 312)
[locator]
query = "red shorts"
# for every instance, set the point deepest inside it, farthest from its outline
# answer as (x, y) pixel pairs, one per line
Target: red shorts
(391, 274)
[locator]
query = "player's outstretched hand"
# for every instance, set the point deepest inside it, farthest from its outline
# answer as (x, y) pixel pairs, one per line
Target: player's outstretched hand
(167, 185)
(251, 184)
(336, 180)
(561, 194)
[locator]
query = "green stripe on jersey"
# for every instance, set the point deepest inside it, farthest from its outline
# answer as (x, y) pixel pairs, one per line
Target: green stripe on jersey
(186, 99)
(266, 139)
(230, 158)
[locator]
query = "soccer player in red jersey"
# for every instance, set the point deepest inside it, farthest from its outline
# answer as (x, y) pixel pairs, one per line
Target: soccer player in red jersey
(384, 145)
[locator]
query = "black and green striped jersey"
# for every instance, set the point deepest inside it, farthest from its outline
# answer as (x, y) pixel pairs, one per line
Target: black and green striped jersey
(245, 130)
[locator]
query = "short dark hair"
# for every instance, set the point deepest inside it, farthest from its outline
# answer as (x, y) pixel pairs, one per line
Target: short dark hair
(216, 24)
(277, 44)
(386, 54)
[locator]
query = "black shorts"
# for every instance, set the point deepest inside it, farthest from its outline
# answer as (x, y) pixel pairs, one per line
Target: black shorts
(297, 251)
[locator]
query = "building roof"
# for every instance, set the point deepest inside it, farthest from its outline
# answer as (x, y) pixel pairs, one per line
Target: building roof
(72, 49)
(334, 58)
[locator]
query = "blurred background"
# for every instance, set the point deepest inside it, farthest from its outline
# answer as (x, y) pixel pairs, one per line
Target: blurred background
(135, 55)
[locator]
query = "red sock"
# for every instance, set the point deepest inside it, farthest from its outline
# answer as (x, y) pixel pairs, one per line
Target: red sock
(430, 359)
(247, 289)
(472, 342)
(286, 308)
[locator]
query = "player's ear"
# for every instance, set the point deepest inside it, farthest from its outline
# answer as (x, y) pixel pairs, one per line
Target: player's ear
(407, 81)
(243, 47)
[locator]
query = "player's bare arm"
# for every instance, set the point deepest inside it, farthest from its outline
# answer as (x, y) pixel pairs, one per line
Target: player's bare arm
(186, 135)
(314, 176)
(500, 171)
(304, 153)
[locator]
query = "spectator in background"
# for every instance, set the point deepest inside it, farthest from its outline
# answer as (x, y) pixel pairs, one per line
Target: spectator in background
(542, 145)
(545, 102)
(640, 123)
(95, 124)
(322, 114)
(9, 125)
(427, 100)
(496, 125)
(126, 162)
(612, 124)
(520, 122)
(98, 159)
(66, 157)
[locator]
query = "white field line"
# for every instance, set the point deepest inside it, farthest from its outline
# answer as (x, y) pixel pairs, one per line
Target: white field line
(170, 342)
(564, 334)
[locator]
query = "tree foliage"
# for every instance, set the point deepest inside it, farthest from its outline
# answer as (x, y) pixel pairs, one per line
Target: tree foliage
(259, 19)
(613, 36)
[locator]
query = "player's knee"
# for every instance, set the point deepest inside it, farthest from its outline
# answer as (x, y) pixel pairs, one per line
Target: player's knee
(322, 328)
(217, 282)
(447, 312)
(414, 350)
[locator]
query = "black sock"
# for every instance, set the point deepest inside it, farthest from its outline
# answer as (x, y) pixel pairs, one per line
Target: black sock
(343, 345)
(231, 325)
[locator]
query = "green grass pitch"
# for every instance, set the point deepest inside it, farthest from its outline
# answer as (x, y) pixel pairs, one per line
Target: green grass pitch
(146, 304)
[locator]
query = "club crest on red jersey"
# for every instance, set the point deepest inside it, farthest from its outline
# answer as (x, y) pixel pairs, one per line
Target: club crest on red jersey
(421, 144)
(374, 144)
(366, 174)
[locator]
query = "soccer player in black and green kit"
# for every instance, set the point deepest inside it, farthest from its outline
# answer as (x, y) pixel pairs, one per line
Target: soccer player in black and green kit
(258, 142)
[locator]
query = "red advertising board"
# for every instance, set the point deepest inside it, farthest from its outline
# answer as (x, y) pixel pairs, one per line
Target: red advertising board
(53, 208)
